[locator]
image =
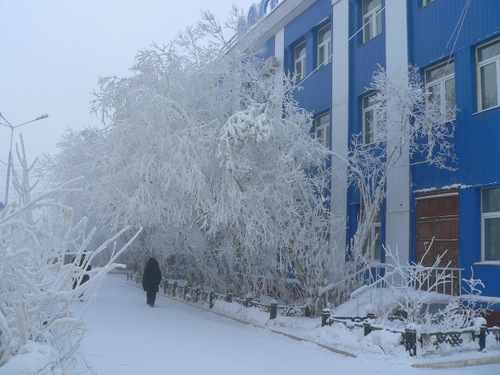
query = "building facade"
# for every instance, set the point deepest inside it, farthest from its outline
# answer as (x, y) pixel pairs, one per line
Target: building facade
(334, 47)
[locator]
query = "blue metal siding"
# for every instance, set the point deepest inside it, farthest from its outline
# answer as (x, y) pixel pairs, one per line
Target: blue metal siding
(315, 92)
(365, 59)
(477, 138)
(470, 223)
(313, 16)
(477, 134)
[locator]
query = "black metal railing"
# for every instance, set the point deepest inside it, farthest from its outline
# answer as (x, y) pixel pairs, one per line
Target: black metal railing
(410, 337)
(182, 290)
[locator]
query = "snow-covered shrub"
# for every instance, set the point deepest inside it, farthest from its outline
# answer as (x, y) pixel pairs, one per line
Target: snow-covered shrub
(427, 297)
(44, 259)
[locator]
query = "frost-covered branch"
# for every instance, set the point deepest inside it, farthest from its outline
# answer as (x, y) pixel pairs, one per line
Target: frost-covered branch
(46, 256)
(405, 116)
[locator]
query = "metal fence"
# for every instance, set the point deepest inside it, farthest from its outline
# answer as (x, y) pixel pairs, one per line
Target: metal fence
(194, 294)
(410, 338)
(182, 290)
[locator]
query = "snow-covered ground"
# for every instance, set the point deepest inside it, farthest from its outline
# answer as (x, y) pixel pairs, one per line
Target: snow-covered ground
(126, 337)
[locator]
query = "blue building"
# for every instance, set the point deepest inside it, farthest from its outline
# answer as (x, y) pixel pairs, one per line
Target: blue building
(335, 46)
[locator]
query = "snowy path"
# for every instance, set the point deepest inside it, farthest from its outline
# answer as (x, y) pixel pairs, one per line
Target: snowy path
(126, 337)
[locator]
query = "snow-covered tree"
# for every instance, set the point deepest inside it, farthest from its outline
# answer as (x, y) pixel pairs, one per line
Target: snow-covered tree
(45, 256)
(208, 151)
(77, 159)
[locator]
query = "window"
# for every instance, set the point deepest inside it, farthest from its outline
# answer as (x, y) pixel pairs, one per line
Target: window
(491, 224)
(372, 19)
(426, 2)
(370, 128)
(488, 70)
(299, 58)
(440, 87)
(373, 245)
(324, 45)
(268, 8)
(322, 129)
(376, 240)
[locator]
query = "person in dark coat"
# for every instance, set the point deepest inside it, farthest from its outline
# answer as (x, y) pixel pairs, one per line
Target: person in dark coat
(151, 280)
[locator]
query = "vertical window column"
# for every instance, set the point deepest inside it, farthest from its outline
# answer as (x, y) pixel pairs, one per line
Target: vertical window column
(324, 45)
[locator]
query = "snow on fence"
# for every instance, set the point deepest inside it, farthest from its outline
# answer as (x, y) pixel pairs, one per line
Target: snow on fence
(181, 289)
(410, 338)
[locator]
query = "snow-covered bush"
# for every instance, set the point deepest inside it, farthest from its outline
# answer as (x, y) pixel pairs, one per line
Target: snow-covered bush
(428, 297)
(44, 259)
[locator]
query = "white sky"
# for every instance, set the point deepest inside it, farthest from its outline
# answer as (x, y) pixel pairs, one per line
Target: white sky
(53, 51)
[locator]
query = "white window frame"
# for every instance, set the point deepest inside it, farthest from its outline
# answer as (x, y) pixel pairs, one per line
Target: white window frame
(268, 8)
(485, 216)
(370, 18)
(373, 240)
(364, 110)
(326, 128)
(441, 82)
(302, 58)
(481, 64)
(326, 44)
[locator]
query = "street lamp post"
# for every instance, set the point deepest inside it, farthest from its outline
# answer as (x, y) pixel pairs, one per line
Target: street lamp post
(12, 128)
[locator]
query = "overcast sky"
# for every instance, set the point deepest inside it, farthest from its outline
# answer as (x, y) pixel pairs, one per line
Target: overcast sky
(53, 52)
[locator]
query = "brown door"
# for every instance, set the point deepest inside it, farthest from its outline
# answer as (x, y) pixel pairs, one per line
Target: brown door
(438, 219)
